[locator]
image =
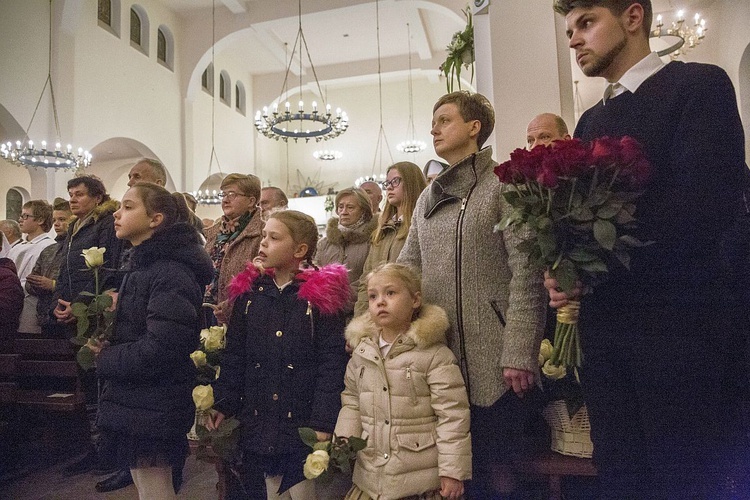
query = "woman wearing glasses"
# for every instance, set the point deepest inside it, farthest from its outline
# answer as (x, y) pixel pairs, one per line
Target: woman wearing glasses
(347, 238)
(234, 239)
(403, 185)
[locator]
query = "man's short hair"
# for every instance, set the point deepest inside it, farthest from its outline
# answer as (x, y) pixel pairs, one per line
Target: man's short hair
(94, 185)
(248, 184)
(12, 227)
(61, 204)
(281, 198)
(42, 213)
(616, 7)
(472, 107)
(157, 168)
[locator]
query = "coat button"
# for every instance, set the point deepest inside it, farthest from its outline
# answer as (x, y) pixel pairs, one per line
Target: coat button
(361, 350)
(387, 422)
(275, 397)
(376, 358)
(385, 388)
(260, 288)
(279, 334)
(385, 455)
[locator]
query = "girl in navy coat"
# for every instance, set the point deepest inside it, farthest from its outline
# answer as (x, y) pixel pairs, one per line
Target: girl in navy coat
(283, 366)
(146, 408)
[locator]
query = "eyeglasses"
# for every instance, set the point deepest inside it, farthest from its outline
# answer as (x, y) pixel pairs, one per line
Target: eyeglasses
(395, 182)
(26, 216)
(229, 195)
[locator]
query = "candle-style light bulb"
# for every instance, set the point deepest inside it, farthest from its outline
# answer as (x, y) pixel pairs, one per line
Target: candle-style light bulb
(57, 146)
(315, 106)
(680, 16)
(287, 106)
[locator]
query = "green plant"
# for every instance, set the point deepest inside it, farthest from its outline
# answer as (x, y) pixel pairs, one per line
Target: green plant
(460, 53)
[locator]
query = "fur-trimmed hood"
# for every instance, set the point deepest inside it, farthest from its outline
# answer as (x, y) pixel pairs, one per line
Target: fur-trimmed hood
(180, 243)
(428, 329)
(326, 289)
(360, 235)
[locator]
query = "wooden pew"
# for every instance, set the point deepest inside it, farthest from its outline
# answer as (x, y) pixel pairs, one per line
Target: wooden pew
(8, 371)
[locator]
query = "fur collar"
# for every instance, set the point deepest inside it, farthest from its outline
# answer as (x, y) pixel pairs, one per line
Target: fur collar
(327, 289)
(428, 329)
(361, 235)
(108, 207)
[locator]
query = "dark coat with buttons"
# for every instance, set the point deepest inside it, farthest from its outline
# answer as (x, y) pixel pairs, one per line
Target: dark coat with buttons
(283, 366)
(147, 372)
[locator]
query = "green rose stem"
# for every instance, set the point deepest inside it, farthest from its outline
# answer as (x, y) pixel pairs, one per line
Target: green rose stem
(567, 346)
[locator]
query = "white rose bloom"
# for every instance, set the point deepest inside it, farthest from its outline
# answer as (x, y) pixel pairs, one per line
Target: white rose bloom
(94, 257)
(552, 371)
(316, 464)
(203, 397)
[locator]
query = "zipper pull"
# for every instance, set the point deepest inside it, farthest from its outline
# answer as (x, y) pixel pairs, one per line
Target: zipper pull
(361, 372)
(408, 372)
(247, 306)
(463, 204)
(309, 308)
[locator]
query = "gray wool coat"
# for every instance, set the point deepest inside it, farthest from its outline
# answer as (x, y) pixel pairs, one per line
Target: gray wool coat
(495, 304)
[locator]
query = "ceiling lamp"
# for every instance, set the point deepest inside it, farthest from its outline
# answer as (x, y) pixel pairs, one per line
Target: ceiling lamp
(26, 153)
(327, 155)
(300, 124)
(687, 37)
(411, 145)
(382, 142)
(208, 194)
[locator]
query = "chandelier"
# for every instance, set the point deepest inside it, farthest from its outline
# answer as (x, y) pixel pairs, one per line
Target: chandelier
(207, 193)
(327, 155)
(25, 153)
(411, 145)
(301, 124)
(688, 36)
(378, 179)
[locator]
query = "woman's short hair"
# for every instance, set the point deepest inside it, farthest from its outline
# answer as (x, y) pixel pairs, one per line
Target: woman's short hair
(362, 200)
(247, 184)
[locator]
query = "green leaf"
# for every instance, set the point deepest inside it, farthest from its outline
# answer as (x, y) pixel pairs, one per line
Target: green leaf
(632, 241)
(86, 294)
(582, 214)
(581, 255)
(547, 243)
(624, 258)
(595, 266)
(605, 233)
(105, 301)
(357, 444)
(308, 436)
(79, 309)
(82, 326)
(609, 210)
(624, 217)
(321, 445)
(86, 359)
(565, 274)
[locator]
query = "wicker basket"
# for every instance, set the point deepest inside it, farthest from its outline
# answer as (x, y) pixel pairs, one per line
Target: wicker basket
(570, 436)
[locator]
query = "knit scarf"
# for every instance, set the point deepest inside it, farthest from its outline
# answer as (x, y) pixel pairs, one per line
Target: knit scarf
(229, 230)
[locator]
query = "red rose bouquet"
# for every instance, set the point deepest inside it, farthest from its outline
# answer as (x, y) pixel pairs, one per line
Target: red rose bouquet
(578, 199)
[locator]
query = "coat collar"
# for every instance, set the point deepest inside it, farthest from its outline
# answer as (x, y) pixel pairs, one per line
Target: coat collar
(457, 181)
(428, 329)
(360, 235)
(327, 288)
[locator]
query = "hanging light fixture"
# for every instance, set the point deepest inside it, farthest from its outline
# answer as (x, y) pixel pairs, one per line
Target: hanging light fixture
(26, 153)
(327, 155)
(411, 145)
(208, 194)
(382, 141)
(301, 124)
(686, 37)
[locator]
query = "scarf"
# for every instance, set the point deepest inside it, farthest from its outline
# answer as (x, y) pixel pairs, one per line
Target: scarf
(229, 230)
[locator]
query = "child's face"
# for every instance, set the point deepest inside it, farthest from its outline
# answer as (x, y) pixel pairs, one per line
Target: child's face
(277, 248)
(394, 193)
(132, 223)
(390, 302)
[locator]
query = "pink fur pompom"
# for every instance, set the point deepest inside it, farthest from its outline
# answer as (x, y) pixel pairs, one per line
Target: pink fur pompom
(327, 289)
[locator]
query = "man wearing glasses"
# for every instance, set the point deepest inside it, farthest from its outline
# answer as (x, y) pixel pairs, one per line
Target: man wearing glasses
(234, 239)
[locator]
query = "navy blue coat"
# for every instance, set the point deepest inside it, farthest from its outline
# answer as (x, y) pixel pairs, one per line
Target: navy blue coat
(147, 372)
(283, 368)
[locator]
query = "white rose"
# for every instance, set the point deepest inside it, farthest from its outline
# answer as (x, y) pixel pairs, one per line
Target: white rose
(199, 358)
(552, 371)
(203, 397)
(94, 257)
(316, 464)
(545, 350)
(214, 338)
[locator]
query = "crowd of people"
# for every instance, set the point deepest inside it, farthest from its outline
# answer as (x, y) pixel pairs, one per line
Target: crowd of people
(411, 322)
